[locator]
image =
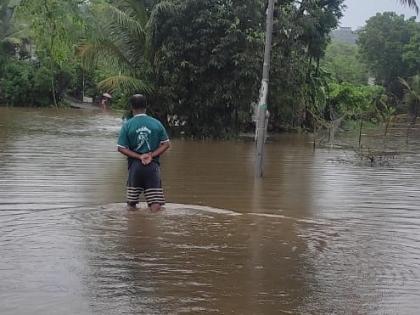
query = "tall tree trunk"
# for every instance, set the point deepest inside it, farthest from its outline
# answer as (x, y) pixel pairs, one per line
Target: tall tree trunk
(53, 83)
(53, 29)
(236, 119)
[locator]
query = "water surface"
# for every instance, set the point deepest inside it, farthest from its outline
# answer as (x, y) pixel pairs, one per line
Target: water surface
(319, 234)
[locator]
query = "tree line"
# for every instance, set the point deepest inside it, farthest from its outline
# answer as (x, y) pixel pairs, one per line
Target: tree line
(199, 61)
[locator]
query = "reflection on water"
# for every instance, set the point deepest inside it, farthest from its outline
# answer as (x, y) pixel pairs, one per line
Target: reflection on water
(315, 236)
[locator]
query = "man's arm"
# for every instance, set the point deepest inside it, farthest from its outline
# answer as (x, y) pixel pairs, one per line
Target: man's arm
(147, 157)
(162, 149)
(164, 142)
(129, 153)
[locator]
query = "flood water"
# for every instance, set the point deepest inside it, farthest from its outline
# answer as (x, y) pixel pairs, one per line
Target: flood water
(319, 234)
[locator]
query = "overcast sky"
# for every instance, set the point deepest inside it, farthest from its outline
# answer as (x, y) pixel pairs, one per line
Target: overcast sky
(358, 11)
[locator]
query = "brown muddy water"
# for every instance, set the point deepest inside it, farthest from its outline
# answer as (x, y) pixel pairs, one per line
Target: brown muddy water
(318, 235)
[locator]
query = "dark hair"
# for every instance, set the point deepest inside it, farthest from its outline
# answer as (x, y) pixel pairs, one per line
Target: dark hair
(138, 101)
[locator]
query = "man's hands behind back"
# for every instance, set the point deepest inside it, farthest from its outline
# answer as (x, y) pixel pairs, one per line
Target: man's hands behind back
(146, 158)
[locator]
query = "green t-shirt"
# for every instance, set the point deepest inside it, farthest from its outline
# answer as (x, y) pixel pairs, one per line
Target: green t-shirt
(142, 134)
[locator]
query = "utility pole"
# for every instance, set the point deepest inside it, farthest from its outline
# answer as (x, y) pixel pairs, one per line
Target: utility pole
(261, 121)
(83, 85)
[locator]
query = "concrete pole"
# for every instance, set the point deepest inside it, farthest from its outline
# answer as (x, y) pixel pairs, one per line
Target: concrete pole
(83, 85)
(261, 120)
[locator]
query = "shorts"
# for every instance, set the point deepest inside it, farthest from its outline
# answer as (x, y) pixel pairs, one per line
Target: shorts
(144, 179)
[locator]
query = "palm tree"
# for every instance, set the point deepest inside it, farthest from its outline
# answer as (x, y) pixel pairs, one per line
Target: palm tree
(411, 4)
(10, 32)
(412, 95)
(122, 42)
(119, 42)
(5, 19)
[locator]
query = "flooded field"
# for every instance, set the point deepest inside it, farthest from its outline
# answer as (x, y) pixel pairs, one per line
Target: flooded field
(319, 234)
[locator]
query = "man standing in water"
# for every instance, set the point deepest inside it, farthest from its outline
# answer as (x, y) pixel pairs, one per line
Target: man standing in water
(143, 140)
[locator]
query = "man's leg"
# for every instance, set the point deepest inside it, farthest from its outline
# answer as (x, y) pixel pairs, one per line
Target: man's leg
(155, 207)
(131, 206)
(133, 197)
(134, 188)
(154, 198)
(153, 188)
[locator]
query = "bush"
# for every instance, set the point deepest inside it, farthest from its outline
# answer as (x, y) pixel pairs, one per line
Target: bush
(22, 83)
(16, 83)
(42, 87)
(353, 100)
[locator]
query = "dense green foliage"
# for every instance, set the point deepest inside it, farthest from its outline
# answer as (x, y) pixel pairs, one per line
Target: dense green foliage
(211, 67)
(353, 100)
(207, 70)
(343, 62)
(39, 38)
(205, 74)
(412, 95)
(56, 27)
(200, 61)
(387, 44)
(298, 83)
(118, 48)
(25, 83)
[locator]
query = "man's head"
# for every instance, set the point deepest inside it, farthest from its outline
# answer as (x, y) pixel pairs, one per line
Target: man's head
(138, 102)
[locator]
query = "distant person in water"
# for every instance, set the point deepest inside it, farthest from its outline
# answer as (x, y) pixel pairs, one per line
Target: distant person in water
(143, 140)
(104, 100)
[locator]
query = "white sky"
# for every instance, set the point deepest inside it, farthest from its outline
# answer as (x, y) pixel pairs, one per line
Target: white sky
(358, 11)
